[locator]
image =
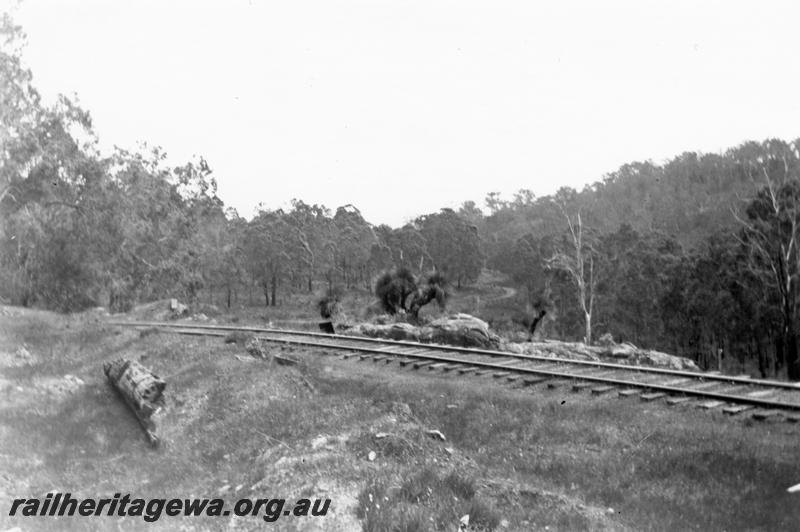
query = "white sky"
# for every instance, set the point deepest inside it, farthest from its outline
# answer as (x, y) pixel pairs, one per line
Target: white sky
(402, 107)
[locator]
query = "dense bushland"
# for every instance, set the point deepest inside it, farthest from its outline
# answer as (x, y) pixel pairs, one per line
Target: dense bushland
(698, 255)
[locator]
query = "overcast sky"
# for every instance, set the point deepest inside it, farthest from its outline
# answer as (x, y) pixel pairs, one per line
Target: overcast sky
(402, 107)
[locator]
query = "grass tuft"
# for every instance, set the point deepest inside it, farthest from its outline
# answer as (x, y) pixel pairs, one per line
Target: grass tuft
(150, 331)
(423, 501)
(419, 487)
(482, 516)
(460, 486)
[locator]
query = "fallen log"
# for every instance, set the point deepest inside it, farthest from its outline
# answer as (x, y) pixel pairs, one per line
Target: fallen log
(142, 391)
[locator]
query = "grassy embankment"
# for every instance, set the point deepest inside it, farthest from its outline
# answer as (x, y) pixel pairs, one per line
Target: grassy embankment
(236, 427)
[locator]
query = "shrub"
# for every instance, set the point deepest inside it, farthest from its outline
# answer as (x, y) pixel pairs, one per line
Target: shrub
(393, 288)
(329, 304)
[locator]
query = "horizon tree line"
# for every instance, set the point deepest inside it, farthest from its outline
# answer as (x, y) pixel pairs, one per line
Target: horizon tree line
(698, 256)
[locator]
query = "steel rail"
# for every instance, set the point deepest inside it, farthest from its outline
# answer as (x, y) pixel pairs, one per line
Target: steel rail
(475, 351)
(675, 390)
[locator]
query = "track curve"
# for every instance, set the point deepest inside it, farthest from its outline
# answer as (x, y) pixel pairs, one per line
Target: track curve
(732, 394)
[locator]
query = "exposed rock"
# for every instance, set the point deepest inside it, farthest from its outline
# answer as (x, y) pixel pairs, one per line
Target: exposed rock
(457, 329)
(627, 353)
(645, 357)
(462, 330)
(513, 348)
(550, 349)
(436, 434)
(178, 309)
(394, 331)
(468, 331)
(624, 353)
(613, 350)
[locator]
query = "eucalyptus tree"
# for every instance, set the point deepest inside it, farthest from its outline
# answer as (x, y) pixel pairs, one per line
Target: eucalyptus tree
(577, 256)
(454, 245)
(771, 235)
(354, 238)
(267, 257)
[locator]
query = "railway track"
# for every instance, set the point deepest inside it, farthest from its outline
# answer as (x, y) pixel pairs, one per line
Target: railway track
(733, 395)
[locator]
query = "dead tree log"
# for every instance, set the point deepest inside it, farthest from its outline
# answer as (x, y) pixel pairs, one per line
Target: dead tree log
(142, 391)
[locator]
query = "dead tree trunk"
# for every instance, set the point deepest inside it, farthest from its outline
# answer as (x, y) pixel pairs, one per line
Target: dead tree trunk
(142, 391)
(534, 323)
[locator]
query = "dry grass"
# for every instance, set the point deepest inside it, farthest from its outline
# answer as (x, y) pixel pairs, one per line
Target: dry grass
(422, 501)
(534, 460)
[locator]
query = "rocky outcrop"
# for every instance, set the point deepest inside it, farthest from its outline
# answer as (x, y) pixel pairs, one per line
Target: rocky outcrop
(457, 329)
(393, 331)
(624, 353)
(553, 349)
(464, 330)
(630, 354)
(178, 309)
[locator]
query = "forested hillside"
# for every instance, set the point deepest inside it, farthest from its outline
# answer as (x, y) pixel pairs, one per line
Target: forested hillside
(697, 256)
